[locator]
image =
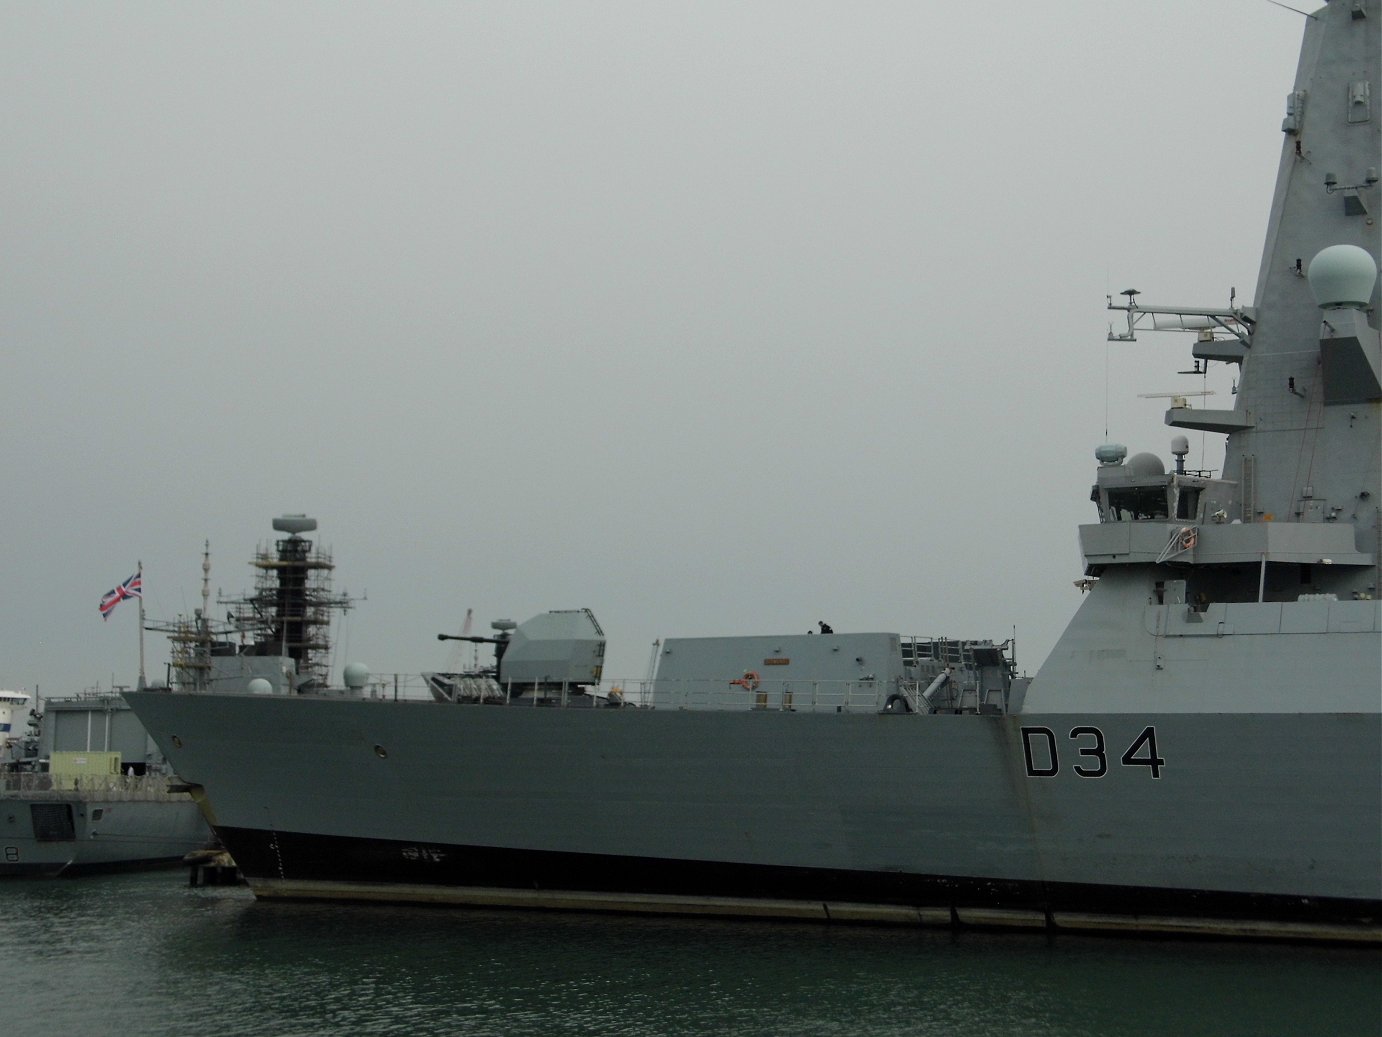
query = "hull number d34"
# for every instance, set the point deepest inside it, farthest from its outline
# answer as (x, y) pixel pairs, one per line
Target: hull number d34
(1039, 749)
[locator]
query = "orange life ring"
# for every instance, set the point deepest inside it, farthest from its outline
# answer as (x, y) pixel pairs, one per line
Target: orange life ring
(749, 682)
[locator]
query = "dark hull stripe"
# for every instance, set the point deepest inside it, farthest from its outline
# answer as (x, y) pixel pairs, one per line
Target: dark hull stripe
(284, 864)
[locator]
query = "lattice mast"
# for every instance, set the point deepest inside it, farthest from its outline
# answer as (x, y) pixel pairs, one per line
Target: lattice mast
(290, 611)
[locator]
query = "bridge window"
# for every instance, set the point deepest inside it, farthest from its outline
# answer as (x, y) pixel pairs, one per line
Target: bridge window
(1138, 502)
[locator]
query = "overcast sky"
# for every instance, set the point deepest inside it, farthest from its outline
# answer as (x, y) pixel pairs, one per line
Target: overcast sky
(713, 317)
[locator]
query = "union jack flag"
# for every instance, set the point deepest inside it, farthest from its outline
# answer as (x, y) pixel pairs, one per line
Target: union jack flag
(131, 588)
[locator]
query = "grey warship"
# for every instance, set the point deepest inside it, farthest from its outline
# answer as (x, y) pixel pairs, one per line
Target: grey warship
(1201, 753)
(82, 790)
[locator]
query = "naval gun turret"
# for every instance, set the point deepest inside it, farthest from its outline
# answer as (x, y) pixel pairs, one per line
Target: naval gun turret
(555, 656)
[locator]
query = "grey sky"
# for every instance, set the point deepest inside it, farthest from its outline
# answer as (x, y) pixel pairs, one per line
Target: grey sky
(714, 318)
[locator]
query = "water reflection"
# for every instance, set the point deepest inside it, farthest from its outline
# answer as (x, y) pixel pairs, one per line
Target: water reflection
(148, 955)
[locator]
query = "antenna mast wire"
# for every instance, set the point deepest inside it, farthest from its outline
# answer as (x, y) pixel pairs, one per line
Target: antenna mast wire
(1305, 14)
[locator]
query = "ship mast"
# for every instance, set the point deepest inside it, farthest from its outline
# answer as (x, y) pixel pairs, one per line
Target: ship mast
(291, 608)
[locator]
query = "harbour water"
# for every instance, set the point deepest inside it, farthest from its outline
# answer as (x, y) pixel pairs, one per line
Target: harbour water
(145, 954)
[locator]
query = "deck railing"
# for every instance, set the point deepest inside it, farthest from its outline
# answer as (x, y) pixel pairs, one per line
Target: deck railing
(893, 694)
(107, 787)
(798, 696)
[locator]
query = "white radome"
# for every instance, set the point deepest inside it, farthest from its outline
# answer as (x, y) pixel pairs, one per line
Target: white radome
(1342, 275)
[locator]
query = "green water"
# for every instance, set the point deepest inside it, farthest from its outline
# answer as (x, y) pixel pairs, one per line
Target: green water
(145, 955)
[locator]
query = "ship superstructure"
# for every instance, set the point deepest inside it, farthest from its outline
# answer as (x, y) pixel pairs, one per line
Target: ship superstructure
(18, 729)
(1194, 574)
(278, 634)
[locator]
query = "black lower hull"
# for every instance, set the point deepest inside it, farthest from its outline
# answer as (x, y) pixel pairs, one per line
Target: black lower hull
(334, 866)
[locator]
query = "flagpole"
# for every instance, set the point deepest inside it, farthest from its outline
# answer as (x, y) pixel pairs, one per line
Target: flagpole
(141, 625)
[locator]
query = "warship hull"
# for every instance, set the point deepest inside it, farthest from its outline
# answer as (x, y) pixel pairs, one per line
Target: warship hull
(74, 833)
(1201, 752)
(1253, 824)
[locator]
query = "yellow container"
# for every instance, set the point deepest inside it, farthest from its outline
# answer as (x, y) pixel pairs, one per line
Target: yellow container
(79, 764)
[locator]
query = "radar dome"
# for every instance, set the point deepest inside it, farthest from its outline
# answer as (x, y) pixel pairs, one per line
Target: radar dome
(259, 686)
(1342, 275)
(1110, 453)
(1146, 466)
(295, 524)
(356, 675)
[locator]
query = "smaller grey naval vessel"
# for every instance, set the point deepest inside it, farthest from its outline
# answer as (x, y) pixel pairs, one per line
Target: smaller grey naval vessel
(1201, 753)
(84, 789)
